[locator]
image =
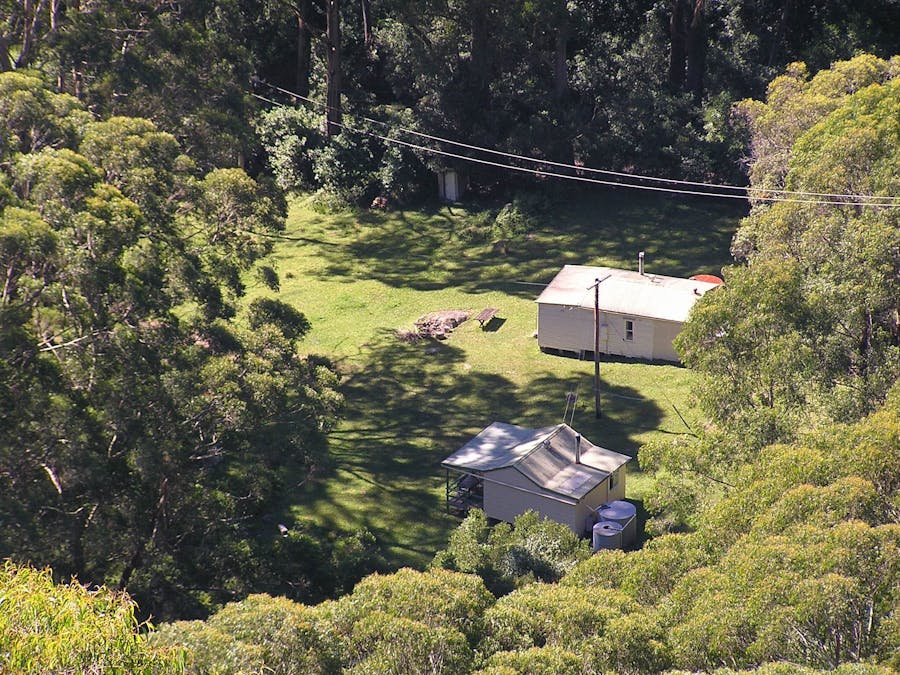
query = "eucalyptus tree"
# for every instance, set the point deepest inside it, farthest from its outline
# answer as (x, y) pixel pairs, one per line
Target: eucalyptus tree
(67, 628)
(144, 432)
(811, 322)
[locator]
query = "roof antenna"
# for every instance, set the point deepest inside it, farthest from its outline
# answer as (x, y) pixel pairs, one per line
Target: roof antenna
(571, 401)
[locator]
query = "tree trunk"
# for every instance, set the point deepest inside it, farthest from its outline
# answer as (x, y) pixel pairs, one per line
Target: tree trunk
(54, 15)
(333, 68)
(30, 18)
(677, 51)
(367, 21)
(696, 52)
(5, 62)
(478, 47)
(560, 65)
(780, 33)
(304, 47)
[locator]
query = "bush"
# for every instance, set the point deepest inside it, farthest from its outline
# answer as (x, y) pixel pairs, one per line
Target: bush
(550, 614)
(259, 634)
(534, 661)
(382, 643)
(508, 557)
(66, 628)
(439, 599)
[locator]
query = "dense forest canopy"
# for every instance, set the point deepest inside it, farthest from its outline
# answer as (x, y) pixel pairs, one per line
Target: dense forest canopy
(144, 431)
(795, 571)
(646, 85)
(150, 416)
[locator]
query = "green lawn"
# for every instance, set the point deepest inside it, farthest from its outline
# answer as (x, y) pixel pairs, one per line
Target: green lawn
(360, 277)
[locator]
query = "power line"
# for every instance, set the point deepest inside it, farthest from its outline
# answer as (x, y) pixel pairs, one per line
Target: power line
(551, 174)
(586, 169)
(589, 169)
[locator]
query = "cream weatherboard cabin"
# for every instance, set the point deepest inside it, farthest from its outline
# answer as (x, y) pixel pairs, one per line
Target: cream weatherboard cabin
(640, 314)
(507, 470)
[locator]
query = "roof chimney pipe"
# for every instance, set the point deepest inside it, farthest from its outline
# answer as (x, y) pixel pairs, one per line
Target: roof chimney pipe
(578, 448)
(641, 263)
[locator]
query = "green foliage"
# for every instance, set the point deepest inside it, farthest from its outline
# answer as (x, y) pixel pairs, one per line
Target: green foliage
(143, 434)
(747, 340)
(258, 634)
(210, 650)
(636, 642)
(507, 557)
(289, 134)
(383, 643)
(550, 614)
(48, 627)
(312, 564)
(264, 311)
(841, 129)
(798, 562)
(534, 661)
(805, 332)
(34, 117)
(57, 181)
(438, 599)
(806, 595)
(512, 221)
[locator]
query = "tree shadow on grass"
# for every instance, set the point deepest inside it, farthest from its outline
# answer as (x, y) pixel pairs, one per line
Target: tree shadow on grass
(408, 408)
(428, 250)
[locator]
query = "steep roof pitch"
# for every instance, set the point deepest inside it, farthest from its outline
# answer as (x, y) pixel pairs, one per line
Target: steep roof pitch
(625, 292)
(545, 456)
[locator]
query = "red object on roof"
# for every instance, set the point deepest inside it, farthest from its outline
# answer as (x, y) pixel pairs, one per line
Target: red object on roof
(709, 278)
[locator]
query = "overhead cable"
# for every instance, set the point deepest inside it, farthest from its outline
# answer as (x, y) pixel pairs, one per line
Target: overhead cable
(838, 199)
(585, 169)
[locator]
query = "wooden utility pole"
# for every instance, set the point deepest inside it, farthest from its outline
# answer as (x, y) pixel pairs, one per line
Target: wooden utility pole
(596, 286)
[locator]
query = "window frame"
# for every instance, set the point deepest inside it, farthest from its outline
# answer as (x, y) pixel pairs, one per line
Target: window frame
(629, 330)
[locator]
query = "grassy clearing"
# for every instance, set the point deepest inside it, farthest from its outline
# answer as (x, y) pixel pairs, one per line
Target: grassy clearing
(360, 277)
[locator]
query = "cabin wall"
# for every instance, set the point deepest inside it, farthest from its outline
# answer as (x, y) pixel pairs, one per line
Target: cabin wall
(664, 334)
(589, 503)
(571, 329)
(505, 502)
(618, 489)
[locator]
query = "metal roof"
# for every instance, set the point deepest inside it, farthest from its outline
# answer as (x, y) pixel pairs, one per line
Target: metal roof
(497, 445)
(545, 456)
(625, 292)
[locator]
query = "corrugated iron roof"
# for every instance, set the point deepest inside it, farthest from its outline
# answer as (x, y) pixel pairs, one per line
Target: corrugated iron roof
(625, 292)
(545, 456)
(496, 446)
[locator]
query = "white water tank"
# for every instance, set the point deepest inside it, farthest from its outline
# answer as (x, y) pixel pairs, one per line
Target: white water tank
(625, 514)
(607, 534)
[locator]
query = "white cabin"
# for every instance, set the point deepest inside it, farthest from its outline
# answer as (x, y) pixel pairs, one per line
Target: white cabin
(507, 470)
(640, 314)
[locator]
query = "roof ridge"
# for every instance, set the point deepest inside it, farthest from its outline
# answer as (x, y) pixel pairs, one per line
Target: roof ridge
(539, 442)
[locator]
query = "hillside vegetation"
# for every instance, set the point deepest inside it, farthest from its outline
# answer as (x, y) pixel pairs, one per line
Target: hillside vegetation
(364, 277)
(218, 226)
(798, 564)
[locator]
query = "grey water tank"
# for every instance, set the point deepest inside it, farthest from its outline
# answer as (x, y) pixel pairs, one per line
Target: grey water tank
(607, 534)
(625, 514)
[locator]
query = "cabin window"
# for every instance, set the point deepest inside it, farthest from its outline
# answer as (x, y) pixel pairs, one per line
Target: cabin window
(629, 330)
(612, 480)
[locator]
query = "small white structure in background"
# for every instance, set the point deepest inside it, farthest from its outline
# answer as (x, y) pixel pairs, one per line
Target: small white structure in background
(450, 185)
(507, 470)
(640, 314)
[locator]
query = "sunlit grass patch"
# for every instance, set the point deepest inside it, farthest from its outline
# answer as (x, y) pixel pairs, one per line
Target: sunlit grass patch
(359, 278)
